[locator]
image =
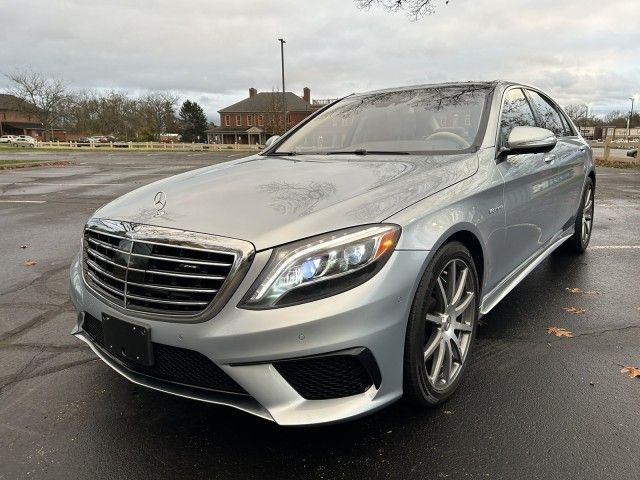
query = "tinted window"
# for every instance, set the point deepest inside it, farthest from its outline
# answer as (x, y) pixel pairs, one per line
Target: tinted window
(516, 112)
(568, 131)
(548, 117)
(439, 119)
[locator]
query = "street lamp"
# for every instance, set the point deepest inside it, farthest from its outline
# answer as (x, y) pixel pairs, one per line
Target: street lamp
(284, 105)
(629, 119)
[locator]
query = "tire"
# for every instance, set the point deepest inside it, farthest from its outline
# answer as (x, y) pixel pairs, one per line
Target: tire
(579, 241)
(433, 324)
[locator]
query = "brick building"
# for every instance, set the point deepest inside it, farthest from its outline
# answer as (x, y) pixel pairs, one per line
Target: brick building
(254, 119)
(18, 117)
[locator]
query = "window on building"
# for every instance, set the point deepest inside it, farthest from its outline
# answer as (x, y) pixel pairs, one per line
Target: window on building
(227, 120)
(249, 120)
(260, 120)
(238, 120)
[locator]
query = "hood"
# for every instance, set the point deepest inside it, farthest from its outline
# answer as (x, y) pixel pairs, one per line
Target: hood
(274, 200)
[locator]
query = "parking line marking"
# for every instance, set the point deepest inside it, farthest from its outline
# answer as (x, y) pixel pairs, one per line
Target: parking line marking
(23, 201)
(83, 174)
(61, 184)
(614, 247)
(616, 174)
(610, 205)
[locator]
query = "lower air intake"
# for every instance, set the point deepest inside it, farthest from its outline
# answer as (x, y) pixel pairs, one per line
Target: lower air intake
(336, 375)
(171, 364)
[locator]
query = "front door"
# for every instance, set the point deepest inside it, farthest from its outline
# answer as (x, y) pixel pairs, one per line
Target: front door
(530, 203)
(569, 158)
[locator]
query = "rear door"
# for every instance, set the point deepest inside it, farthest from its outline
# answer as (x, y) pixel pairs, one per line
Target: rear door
(569, 157)
(529, 198)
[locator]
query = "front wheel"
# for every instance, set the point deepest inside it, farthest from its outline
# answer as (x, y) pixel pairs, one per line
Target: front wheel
(579, 241)
(441, 326)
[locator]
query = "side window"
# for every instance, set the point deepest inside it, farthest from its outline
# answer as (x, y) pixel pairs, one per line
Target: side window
(568, 131)
(516, 112)
(548, 117)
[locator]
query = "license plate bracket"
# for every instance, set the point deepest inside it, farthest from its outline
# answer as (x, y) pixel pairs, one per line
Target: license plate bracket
(127, 340)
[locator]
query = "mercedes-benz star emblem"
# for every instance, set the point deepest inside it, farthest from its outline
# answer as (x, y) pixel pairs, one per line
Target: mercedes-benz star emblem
(159, 201)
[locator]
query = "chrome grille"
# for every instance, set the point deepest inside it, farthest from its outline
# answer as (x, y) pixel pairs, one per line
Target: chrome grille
(158, 270)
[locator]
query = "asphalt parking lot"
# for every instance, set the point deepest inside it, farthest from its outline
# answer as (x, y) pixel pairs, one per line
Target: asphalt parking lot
(614, 153)
(531, 405)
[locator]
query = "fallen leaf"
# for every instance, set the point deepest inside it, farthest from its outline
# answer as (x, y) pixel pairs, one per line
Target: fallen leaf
(559, 332)
(448, 412)
(23, 246)
(574, 310)
(579, 290)
(29, 263)
(631, 371)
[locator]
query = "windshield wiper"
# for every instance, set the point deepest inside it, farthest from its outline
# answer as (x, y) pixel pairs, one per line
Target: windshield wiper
(362, 151)
(282, 154)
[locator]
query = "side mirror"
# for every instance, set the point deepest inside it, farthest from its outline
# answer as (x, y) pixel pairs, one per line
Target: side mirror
(530, 140)
(271, 140)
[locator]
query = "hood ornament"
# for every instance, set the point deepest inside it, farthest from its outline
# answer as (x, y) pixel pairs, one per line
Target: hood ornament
(159, 202)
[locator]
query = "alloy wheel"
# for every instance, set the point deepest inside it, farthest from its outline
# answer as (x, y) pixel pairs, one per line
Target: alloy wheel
(587, 215)
(449, 323)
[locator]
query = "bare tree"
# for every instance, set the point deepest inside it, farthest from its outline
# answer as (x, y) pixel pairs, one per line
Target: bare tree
(157, 112)
(273, 121)
(414, 8)
(46, 94)
(577, 113)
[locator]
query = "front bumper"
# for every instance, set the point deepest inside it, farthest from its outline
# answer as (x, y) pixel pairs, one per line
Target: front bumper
(245, 344)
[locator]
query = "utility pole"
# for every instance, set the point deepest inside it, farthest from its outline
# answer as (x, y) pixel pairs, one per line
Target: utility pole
(629, 119)
(284, 102)
(586, 115)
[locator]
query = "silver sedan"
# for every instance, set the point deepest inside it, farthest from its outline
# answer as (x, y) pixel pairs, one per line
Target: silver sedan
(345, 266)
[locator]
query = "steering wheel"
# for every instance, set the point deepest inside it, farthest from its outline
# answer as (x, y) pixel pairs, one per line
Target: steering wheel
(452, 137)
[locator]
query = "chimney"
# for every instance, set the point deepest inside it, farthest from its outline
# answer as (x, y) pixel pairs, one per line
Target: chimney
(306, 94)
(252, 92)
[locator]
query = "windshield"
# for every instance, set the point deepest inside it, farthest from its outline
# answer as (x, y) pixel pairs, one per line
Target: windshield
(428, 119)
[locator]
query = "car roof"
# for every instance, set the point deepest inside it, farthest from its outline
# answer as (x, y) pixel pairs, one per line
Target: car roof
(489, 84)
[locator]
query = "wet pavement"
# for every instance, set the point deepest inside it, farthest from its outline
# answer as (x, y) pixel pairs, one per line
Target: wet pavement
(531, 405)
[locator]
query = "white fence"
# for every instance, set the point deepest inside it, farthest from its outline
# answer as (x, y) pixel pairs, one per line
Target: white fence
(181, 147)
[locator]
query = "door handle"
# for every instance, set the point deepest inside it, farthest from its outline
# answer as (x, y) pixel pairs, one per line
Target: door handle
(549, 158)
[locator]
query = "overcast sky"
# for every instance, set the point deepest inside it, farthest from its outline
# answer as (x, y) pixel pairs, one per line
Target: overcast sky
(580, 51)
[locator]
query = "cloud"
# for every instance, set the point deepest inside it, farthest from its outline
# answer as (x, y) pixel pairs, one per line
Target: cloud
(213, 51)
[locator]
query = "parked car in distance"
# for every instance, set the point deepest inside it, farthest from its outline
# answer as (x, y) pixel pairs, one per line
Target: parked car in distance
(7, 138)
(23, 141)
(406, 215)
(632, 153)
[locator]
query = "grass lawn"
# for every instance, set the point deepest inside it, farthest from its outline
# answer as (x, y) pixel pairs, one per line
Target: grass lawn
(13, 163)
(616, 163)
(9, 162)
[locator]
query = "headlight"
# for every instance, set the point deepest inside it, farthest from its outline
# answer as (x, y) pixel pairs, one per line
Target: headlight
(322, 266)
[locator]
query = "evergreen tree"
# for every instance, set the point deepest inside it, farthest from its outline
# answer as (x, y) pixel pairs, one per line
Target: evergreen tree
(194, 122)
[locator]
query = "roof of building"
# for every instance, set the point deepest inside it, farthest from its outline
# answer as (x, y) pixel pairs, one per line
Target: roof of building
(255, 130)
(11, 102)
(25, 125)
(265, 101)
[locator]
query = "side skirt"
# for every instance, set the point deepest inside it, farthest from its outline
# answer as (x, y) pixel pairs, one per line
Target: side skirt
(492, 298)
